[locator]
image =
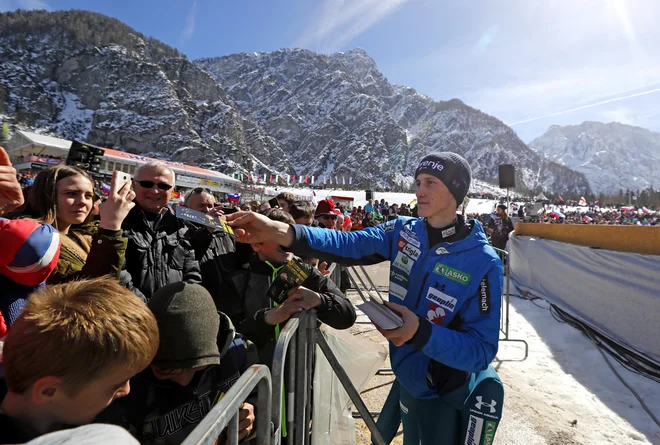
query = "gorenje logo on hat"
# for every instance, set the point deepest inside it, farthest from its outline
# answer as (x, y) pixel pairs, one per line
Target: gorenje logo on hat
(434, 165)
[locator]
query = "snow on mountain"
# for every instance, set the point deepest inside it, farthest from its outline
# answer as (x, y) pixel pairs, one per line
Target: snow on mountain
(82, 75)
(340, 109)
(612, 156)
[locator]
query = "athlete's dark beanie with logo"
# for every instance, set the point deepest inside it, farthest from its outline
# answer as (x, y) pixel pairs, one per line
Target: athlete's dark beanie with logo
(188, 323)
(453, 170)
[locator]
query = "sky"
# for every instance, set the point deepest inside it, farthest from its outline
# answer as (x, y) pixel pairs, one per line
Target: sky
(530, 63)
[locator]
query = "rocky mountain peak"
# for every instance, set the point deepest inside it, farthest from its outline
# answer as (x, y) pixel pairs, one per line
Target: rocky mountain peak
(82, 75)
(611, 155)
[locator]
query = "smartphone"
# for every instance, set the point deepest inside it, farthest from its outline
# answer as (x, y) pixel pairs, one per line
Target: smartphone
(229, 210)
(273, 203)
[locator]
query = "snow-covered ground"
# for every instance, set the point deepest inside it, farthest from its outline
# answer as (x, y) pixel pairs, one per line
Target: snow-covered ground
(566, 379)
(564, 393)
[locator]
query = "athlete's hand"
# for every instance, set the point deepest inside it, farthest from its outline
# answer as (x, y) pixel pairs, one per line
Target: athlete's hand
(401, 335)
(252, 227)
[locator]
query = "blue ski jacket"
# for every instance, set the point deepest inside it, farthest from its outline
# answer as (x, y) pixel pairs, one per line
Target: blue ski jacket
(455, 288)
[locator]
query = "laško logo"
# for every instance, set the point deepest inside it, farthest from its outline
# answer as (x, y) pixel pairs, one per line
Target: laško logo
(452, 274)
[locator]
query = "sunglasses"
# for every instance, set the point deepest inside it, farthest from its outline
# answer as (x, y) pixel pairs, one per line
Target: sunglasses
(201, 189)
(151, 184)
(333, 217)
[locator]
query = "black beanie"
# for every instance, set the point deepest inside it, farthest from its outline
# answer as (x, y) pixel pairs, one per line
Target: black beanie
(188, 323)
(453, 170)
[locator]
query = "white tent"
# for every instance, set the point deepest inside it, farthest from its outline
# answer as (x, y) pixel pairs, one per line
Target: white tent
(540, 197)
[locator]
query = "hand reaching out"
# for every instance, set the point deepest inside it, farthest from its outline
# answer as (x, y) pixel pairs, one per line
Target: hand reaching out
(119, 203)
(292, 305)
(11, 195)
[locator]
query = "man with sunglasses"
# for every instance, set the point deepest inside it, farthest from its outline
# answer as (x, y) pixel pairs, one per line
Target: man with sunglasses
(159, 251)
(325, 214)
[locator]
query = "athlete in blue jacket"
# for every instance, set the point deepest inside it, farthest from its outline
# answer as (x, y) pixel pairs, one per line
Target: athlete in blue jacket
(446, 282)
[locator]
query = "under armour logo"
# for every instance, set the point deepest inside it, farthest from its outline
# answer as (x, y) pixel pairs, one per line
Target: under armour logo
(481, 403)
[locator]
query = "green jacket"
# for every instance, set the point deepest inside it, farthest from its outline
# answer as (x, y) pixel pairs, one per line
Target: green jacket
(89, 251)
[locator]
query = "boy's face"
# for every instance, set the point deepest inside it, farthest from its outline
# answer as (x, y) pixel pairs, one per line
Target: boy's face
(272, 252)
(94, 397)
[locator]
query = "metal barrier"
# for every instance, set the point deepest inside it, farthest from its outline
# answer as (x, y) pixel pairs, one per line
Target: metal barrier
(297, 358)
(355, 274)
(293, 360)
(208, 430)
(506, 301)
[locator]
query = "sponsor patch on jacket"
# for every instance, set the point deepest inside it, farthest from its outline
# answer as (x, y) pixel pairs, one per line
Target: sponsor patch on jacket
(403, 262)
(452, 274)
(388, 226)
(410, 236)
(398, 291)
(435, 314)
(449, 232)
(412, 251)
(441, 299)
(401, 244)
(473, 436)
(399, 278)
(441, 251)
(484, 296)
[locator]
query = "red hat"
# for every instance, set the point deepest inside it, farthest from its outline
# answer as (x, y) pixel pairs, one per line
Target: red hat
(325, 207)
(30, 250)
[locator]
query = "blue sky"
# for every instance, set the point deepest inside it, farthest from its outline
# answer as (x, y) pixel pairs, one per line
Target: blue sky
(530, 63)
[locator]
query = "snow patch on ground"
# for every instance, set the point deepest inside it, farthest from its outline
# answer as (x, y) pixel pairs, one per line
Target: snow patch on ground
(566, 379)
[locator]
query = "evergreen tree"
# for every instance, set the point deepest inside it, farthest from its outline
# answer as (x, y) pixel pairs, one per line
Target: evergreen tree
(4, 137)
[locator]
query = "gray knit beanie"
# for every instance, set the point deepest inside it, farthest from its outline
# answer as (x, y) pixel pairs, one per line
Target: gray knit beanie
(188, 323)
(453, 170)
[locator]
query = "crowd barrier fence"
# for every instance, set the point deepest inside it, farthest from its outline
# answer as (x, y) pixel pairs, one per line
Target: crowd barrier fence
(293, 363)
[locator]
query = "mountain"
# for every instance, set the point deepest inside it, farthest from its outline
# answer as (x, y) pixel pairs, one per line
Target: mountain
(83, 75)
(338, 114)
(612, 156)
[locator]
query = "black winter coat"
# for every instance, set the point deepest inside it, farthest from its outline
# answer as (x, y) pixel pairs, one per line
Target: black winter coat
(162, 412)
(335, 310)
(220, 257)
(158, 251)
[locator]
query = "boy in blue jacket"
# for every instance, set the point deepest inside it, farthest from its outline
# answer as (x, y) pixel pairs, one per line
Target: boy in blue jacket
(446, 282)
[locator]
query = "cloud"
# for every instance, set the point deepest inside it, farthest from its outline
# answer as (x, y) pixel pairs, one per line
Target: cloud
(622, 115)
(485, 40)
(536, 64)
(34, 4)
(189, 28)
(584, 107)
(336, 22)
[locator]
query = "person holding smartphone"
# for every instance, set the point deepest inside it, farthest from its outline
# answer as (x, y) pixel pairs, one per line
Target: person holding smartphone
(63, 196)
(446, 284)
